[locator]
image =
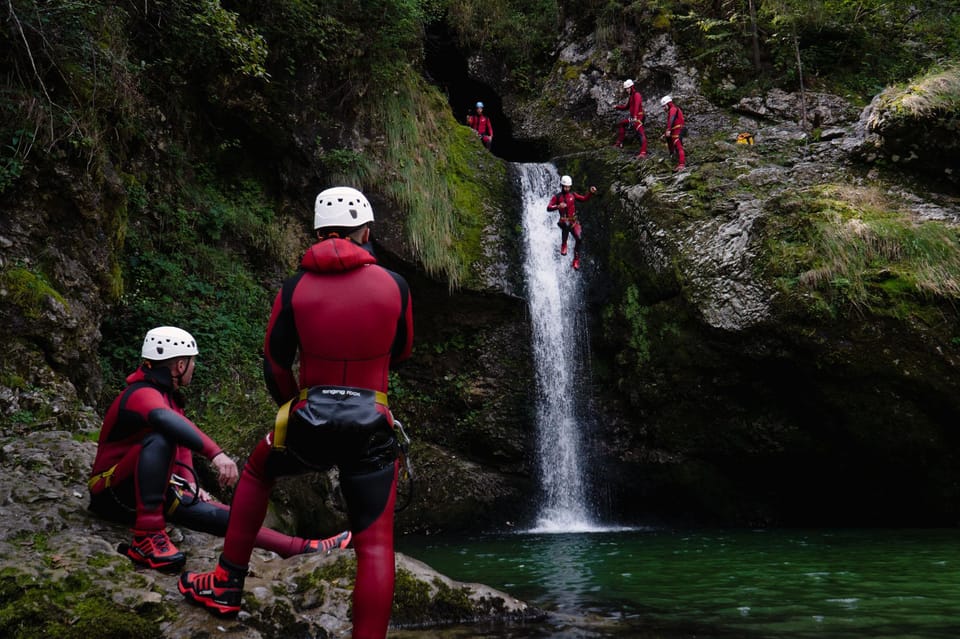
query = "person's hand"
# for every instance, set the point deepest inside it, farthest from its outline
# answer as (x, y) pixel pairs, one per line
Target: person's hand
(227, 473)
(593, 189)
(562, 205)
(203, 495)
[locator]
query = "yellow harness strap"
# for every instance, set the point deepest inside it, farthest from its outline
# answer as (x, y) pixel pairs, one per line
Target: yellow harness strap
(280, 423)
(105, 475)
(174, 504)
(283, 416)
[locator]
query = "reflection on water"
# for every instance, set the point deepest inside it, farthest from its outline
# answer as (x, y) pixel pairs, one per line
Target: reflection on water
(750, 584)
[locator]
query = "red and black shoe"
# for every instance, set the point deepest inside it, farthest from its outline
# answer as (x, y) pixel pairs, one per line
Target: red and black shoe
(340, 541)
(563, 249)
(576, 263)
(219, 591)
(154, 550)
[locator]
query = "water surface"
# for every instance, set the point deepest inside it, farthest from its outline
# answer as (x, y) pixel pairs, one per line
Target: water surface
(841, 584)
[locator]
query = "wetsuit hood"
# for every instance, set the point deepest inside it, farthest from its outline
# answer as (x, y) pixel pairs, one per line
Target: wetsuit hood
(336, 255)
(159, 377)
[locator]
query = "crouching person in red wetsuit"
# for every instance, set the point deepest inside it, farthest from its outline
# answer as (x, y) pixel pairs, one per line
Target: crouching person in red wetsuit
(349, 320)
(143, 472)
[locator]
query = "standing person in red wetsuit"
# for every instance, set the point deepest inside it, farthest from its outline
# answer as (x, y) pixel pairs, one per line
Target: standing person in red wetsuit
(675, 131)
(481, 124)
(350, 320)
(566, 202)
(143, 472)
(634, 107)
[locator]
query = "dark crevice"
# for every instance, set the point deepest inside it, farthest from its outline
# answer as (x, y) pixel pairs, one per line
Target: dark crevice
(446, 67)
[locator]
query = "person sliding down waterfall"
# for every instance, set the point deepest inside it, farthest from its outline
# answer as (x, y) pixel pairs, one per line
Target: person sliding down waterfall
(565, 201)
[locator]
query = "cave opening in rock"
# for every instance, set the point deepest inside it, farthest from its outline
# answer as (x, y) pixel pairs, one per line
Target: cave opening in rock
(446, 67)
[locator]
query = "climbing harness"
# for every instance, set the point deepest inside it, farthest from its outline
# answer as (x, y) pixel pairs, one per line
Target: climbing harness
(181, 487)
(344, 418)
(178, 485)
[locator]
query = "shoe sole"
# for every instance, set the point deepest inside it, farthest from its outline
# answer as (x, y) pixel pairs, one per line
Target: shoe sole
(218, 609)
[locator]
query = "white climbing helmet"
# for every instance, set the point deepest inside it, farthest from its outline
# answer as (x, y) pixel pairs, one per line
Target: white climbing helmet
(627, 84)
(665, 100)
(479, 105)
(165, 342)
(566, 181)
(341, 206)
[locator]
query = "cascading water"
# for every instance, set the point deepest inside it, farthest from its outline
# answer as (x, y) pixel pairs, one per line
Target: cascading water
(555, 293)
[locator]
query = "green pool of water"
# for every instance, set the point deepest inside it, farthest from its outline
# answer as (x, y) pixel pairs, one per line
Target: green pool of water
(839, 584)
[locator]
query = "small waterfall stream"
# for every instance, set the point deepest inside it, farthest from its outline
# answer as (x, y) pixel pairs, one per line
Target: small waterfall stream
(560, 339)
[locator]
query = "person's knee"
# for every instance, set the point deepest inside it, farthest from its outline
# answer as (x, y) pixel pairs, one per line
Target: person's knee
(202, 516)
(157, 452)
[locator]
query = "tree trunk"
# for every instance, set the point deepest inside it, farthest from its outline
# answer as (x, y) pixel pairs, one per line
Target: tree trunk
(754, 35)
(803, 96)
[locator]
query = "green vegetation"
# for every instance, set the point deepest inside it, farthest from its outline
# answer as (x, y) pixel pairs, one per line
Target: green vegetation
(196, 269)
(935, 94)
(855, 249)
(429, 168)
(70, 609)
(521, 34)
(634, 314)
(28, 289)
(850, 48)
(341, 570)
(417, 602)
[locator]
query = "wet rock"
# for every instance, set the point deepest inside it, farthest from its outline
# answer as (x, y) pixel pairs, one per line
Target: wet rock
(47, 535)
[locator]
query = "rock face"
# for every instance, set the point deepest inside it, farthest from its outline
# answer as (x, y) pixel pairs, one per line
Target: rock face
(53, 290)
(728, 387)
(728, 391)
(51, 546)
(915, 128)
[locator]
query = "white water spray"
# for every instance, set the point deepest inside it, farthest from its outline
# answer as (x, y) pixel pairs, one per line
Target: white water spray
(555, 294)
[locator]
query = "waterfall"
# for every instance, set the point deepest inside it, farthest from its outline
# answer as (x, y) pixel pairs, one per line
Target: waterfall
(560, 340)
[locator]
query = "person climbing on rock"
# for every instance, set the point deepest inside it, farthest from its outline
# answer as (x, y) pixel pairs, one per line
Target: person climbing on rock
(566, 202)
(675, 131)
(481, 124)
(143, 472)
(337, 328)
(634, 108)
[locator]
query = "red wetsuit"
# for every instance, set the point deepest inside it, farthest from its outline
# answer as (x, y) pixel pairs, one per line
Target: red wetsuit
(568, 221)
(634, 106)
(674, 133)
(482, 125)
(144, 432)
(350, 320)
(145, 438)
